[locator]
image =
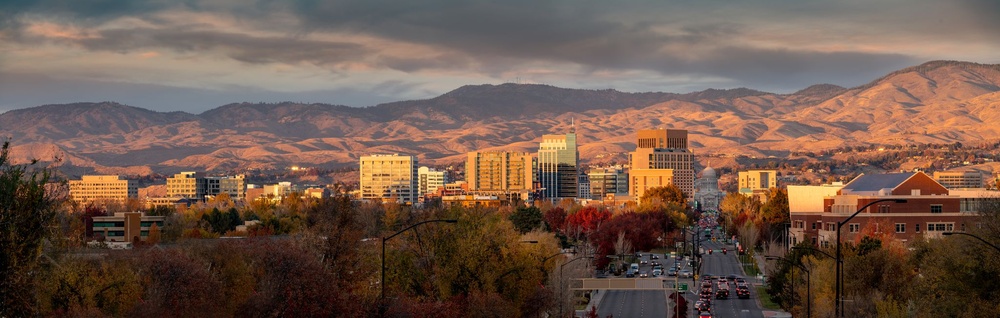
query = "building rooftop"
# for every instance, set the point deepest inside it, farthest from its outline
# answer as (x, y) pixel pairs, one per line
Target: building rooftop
(877, 182)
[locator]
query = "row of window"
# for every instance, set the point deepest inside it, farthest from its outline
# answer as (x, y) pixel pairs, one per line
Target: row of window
(900, 227)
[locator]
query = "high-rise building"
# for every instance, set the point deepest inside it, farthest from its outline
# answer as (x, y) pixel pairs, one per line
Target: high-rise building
(430, 180)
(584, 184)
(661, 157)
(558, 160)
(499, 171)
(959, 179)
(103, 188)
(610, 180)
(389, 178)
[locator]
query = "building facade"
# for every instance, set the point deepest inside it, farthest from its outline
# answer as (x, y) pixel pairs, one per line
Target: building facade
(960, 179)
(661, 149)
(707, 193)
(430, 180)
(608, 180)
(558, 160)
(195, 185)
(100, 188)
(757, 182)
(125, 226)
(499, 171)
(389, 178)
(929, 209)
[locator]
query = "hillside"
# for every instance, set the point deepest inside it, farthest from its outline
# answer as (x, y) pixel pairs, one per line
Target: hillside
(935, 102)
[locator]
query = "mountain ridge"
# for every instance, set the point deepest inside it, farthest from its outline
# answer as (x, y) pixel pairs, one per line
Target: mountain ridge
(935, 102)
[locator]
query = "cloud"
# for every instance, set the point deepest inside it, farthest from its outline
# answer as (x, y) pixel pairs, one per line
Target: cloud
(773, 45)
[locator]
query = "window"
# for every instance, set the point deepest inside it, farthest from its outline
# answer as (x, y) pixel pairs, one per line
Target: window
(814, 226)
(936, 208)
(854, 227)
(883, 209)
(941, 227)
(900, 227)
(917, 227)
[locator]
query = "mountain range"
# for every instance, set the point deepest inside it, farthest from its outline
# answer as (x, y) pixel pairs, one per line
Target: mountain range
(935, 102)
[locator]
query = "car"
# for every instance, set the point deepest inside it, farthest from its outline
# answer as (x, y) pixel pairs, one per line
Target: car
(702, 306)
(654, 263)
(672, 272)
(722, 293)
(724, 250)
(657, 272)
(740, 280)
(731, 277)
(643, 274)
(685, 273)
(642, 261)
(723, 281)
(704, 315)
(630, 274)
(742, 292)
(654, 256)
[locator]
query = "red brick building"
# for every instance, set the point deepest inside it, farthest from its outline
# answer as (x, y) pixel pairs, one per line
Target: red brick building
(930, 209)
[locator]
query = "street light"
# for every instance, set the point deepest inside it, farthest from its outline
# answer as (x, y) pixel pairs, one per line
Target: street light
(838, 310)
(808, 283)
(562, 299)
(384, 239)
(976, 237)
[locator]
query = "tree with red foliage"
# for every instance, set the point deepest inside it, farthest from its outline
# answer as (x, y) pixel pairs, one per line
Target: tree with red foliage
(555, 218)
(587, 220)
(640, 229)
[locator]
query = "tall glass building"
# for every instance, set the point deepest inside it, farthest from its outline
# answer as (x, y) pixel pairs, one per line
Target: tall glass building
(558, 161)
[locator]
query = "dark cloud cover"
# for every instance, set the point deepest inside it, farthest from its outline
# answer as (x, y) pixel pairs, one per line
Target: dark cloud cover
(689, 38)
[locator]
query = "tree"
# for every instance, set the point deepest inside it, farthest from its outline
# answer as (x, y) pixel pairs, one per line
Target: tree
(663, 195)
(25, 214)
(526, 219)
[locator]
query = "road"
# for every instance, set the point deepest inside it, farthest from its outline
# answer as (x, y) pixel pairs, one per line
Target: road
(623, 303)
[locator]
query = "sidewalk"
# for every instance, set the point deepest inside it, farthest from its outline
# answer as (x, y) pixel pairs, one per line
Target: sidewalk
(595, 301)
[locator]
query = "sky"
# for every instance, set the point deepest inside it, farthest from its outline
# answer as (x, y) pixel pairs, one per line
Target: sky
(195, 55)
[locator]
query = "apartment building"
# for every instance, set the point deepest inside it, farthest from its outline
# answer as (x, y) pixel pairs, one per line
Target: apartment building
(430, 180)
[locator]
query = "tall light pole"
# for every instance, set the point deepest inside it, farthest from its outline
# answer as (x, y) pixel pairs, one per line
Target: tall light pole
(973, 236)
(384, 239)
(838, 305)
(562, 299)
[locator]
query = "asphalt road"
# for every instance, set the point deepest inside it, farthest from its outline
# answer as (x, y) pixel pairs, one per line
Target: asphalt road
(718, 264)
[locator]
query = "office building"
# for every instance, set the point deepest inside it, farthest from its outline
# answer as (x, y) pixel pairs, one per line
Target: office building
(430, 180)
(104, 188)
(558, 160)
(125, 226)
(195, 185)
(755, 183)
(960, 179)
(608, 180)
(389, 178)
(661, 157)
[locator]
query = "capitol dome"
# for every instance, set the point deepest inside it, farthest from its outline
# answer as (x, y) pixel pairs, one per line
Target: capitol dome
(708, 173)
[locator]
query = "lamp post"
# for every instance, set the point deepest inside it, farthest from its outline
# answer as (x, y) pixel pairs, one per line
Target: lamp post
(562, 299)
(384, 239)
(838, 306)
(973, 236)
(808, 283)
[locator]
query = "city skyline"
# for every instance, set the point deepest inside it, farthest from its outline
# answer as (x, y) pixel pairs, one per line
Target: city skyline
(199, 55)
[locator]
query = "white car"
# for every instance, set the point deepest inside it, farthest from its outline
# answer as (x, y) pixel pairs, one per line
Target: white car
(685, 273)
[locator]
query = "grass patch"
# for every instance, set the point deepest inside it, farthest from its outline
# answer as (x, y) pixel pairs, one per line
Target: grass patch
(765, 299)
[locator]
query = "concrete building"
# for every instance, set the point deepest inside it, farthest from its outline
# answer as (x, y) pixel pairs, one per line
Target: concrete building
(100, 188)
(389, 178)
(608, 180)
(930, 209)
(664, 151)
(499, 171)
(558, 160)
(430, 180)
(125, 226)
(757, 182)
(195, 185)
(960, 179)
(707, 192)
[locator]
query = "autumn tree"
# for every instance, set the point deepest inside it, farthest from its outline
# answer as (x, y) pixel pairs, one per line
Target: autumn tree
(662, 195)
(25, 214)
